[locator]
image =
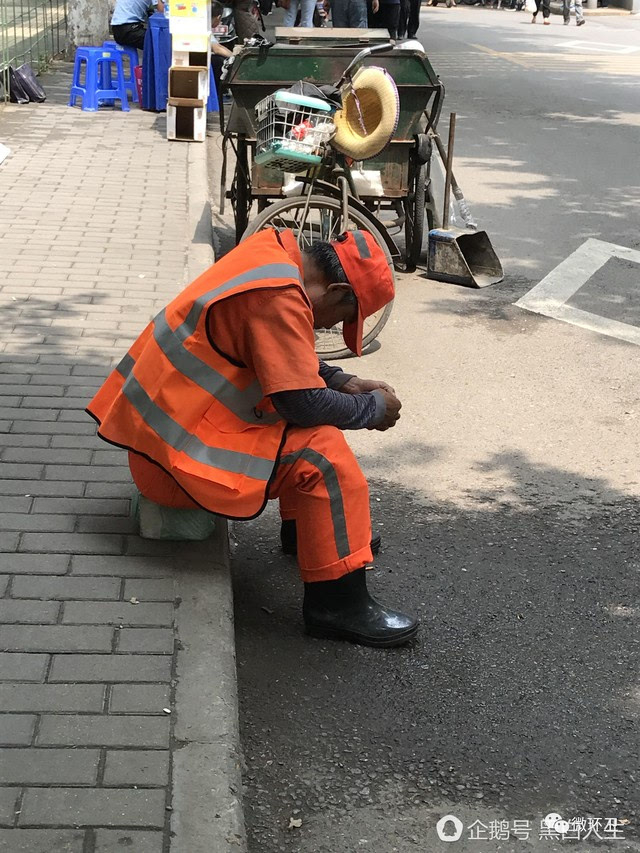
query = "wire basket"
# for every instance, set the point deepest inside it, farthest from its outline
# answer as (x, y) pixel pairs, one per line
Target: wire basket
(292, 130)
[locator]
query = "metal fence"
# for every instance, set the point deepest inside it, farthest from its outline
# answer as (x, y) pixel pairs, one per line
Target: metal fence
(32, 31)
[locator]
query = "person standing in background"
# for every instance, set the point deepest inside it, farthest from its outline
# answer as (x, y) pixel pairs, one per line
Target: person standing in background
(409, 18)
(218, 51)
(291, 7)
(567, 5)
(385, 14)
(545, 5)
(128, 23)
(403, 20)
(348, 13)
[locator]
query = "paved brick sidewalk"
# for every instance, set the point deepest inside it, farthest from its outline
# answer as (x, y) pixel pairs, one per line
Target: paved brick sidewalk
(94, 225)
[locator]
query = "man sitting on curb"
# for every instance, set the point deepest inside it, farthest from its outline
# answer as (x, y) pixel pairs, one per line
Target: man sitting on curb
(223, 405)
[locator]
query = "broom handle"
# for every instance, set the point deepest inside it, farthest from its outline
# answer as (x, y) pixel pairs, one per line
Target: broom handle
(469, 221)
(447, 179)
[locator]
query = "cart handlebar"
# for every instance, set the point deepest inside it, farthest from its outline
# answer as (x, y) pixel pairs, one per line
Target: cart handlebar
(359, 57)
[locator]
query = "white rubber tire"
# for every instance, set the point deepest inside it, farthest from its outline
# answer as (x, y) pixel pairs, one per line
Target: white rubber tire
(369, 115)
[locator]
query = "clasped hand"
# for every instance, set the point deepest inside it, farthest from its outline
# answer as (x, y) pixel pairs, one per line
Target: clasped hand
(392, 404)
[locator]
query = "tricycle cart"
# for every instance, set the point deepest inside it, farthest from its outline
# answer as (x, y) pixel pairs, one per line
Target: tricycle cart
(393, 189)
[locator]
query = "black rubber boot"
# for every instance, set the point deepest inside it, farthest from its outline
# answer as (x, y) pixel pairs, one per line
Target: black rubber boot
(289, 541)
(344, 610)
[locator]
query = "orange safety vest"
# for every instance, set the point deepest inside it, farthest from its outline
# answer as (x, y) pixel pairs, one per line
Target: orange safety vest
(178, 401)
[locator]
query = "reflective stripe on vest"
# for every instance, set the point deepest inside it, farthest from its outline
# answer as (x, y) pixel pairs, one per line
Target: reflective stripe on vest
(199, 414)
(333, 490)
(183, 441)
(172, 343)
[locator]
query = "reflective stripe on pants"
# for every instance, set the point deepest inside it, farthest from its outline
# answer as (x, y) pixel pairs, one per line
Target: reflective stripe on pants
(320, 485)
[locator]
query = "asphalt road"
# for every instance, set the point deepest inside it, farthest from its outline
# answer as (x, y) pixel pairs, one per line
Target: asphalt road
(507, 497)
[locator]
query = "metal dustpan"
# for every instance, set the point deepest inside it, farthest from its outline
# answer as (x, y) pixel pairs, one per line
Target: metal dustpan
(457, 255)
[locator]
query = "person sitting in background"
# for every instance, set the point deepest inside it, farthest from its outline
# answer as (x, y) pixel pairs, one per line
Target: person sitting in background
(128, 23)
(385, 15)
(218, 51)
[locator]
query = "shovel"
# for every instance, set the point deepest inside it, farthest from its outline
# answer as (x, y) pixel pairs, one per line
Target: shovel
(456, 255)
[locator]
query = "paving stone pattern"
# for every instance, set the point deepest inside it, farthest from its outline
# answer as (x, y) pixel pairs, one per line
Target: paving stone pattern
(93, 225)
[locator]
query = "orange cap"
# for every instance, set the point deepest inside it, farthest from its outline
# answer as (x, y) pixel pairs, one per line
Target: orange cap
(369, 274)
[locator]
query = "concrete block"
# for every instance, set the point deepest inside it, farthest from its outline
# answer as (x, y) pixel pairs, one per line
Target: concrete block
(152, 640)
(118, 840)
(93, 807)
(15, 730)
(49, 767)
(109, 490)
(32, 488)
(56, 638)
(39, 698)
(84, 441)
(145, 768)
(25, 441)
(8, 806)
(117, 613)
(32, 564)
(66, 588)
(105, 668)
(72, 543)
(156, 589)
(28, 612)
(87, 730)
(107, 524)
(50, 456)
(21, 521)
(139, 699)
(49, 427)
(9, 541)
(41, 840)
(82, 506)
(22, 667)
(85, 472)
(122, 566)
(20, 471)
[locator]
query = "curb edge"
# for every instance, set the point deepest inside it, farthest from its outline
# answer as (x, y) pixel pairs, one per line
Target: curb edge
(207, 810)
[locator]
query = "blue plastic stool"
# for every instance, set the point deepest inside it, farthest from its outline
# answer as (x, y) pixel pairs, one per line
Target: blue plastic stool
(98, 86)
(129, 76)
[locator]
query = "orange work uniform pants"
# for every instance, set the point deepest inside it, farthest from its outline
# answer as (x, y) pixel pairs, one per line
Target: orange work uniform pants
(319, 484)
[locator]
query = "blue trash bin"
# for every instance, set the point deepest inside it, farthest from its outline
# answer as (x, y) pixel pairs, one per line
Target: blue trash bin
(156, 61)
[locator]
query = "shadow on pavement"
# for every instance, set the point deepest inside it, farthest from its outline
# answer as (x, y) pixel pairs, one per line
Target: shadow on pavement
(520, 696)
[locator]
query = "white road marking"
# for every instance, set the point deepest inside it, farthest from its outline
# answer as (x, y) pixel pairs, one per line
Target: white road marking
(601, 47)
(549, 296)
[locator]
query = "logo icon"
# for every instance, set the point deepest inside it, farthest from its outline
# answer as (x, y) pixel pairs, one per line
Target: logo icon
(442, 827)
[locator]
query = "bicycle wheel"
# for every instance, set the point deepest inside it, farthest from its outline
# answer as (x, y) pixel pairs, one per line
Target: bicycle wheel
(240, 192)
(323, 222)
(414, 207)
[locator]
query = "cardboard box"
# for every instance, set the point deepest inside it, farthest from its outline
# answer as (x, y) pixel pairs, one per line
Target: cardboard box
(188, 81)
(186, 124)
